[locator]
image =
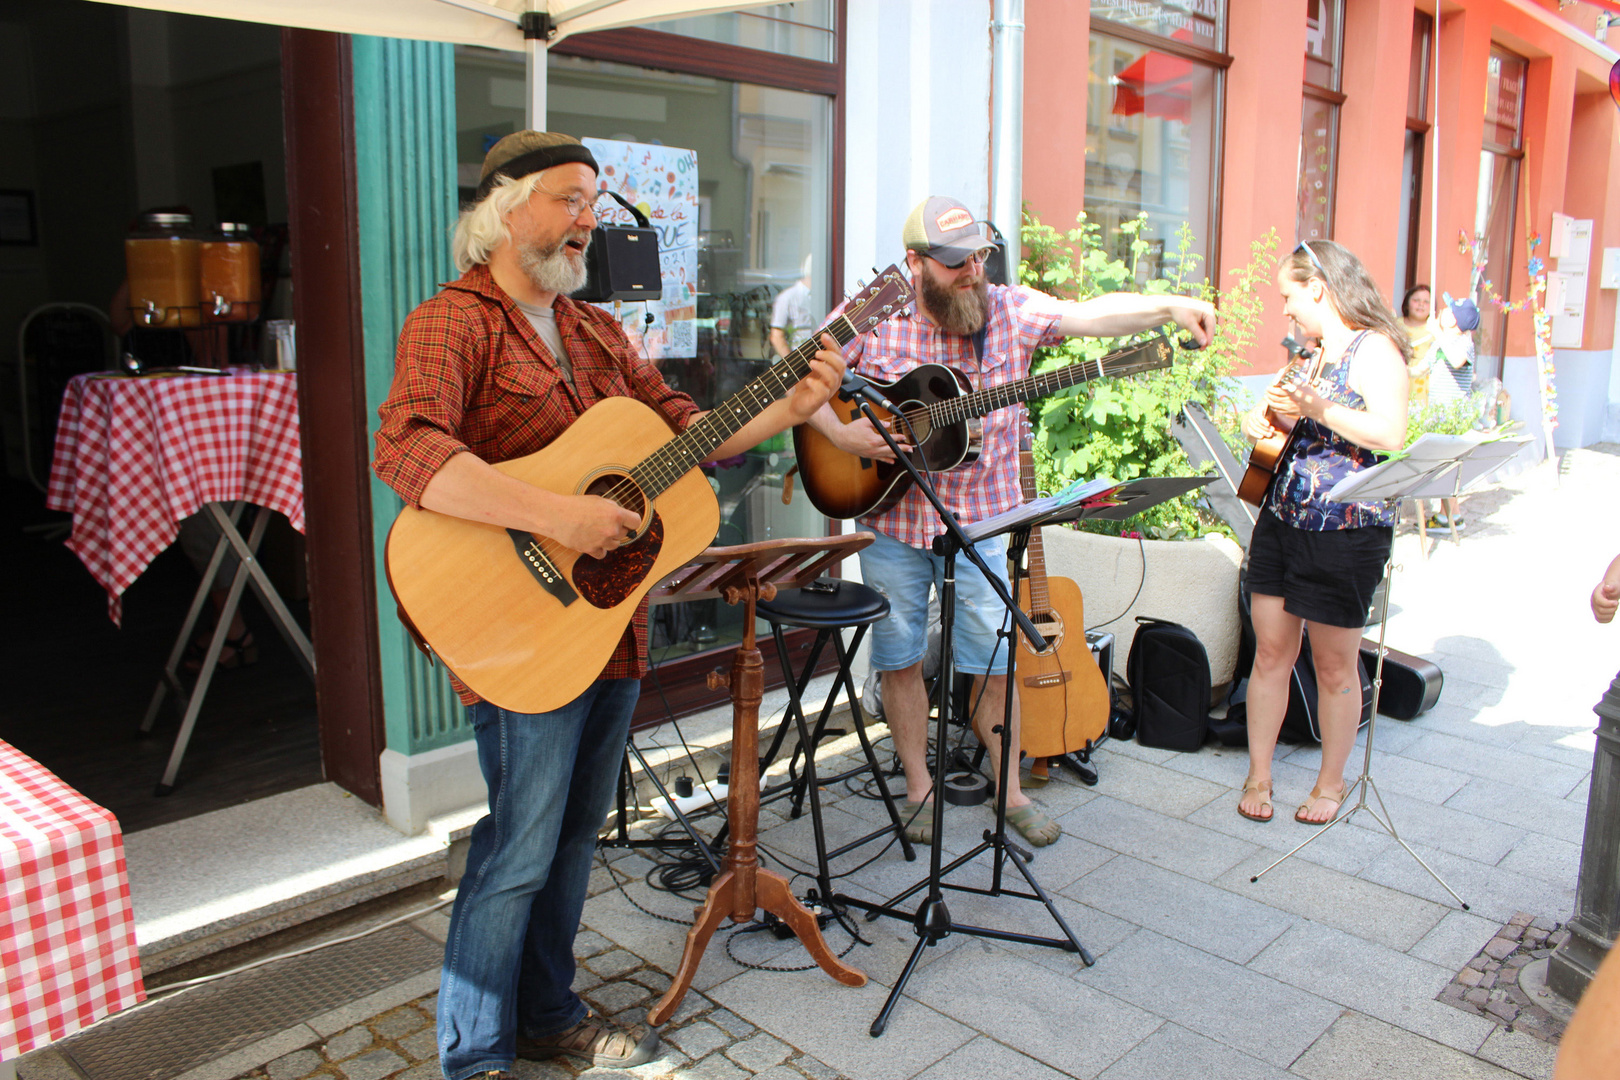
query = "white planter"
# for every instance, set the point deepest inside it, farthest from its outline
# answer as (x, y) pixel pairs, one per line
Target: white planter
(1191, 582)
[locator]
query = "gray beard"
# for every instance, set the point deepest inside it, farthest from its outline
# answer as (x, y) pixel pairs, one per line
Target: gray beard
(550, 269)
(957, 311)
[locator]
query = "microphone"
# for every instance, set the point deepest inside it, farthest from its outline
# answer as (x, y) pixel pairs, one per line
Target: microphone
(855, 386)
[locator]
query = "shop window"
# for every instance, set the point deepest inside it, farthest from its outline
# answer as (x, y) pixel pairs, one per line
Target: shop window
(758, 221)
(1407, 271)
(1319, 120)
(1151, 133)
(1201, 23)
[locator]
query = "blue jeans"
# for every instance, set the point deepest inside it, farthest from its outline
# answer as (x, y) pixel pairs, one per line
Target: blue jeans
(904, 574)
(509, 957)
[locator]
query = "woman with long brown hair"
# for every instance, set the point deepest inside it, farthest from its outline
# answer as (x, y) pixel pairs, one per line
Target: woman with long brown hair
(1314, 563)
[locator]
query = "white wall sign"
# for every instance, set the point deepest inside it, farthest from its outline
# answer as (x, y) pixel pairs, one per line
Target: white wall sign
(1569, 317)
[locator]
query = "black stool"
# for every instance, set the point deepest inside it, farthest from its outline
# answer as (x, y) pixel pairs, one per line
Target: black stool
(829, 607)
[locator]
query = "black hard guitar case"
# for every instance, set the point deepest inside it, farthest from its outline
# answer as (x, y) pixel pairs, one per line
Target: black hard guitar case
(1411, 683)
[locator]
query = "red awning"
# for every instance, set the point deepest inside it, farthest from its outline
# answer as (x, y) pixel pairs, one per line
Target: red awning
(1157, 85)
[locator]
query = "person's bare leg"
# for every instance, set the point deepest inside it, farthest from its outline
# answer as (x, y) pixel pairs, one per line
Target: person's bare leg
(1276, 648)
(1336, 652)
(905, 708)
(989, 714)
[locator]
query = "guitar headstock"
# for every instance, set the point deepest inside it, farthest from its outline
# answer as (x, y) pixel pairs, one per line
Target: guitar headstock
(886, 294)
(1150, 355)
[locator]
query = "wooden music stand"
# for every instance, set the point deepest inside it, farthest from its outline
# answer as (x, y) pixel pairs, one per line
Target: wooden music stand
(743, 574)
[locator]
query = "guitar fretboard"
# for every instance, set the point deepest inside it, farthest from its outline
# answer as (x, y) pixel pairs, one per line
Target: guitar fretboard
(699, 441)
(1144, 357)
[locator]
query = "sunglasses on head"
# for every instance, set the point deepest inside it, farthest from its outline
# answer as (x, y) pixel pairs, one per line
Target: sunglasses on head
(1306, 246)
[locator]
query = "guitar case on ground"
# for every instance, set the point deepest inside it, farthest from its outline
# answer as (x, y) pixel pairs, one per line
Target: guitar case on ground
(1411, 684)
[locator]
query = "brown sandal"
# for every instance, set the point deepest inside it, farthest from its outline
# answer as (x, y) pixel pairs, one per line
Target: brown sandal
(1261, 786)
(1316, 794)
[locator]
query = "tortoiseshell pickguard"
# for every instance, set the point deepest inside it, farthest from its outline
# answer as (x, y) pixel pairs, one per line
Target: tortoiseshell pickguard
(605, 583)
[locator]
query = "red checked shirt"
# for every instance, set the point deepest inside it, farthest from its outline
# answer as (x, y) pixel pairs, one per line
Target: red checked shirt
(472, 374)
(1020, 321)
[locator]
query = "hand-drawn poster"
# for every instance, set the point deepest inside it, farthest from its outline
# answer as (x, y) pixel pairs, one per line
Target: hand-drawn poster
(661, 182)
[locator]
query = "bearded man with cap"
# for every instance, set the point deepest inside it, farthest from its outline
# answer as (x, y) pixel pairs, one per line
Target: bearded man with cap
(494, 367)
(988, 332)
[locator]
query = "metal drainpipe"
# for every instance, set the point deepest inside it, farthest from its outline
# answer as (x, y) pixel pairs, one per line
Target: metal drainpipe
(1596, 924)
(1007, 125)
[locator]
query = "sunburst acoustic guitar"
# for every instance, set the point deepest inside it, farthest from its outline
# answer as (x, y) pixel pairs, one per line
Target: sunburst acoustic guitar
(1266, 454)
(939, 409)
(528, 624)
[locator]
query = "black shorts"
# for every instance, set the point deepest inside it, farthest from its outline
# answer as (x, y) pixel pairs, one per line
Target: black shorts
(1325, 576)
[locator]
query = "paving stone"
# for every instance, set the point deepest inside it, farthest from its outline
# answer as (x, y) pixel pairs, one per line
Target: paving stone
(759, 1052)
(1500, 948)
(586, 980)
(293, 1065)
(1455, 940)
(831, 1022)
(814, 1068)
(1365, 909)
(987, 1058)
(1164, 791)
(588, 943)
(1529, 810)
(713, 1067)
(1215, 919)
(429, 1005)
(1236, 1006)
(652, 979)
(1359, 1047)
(373, 1065)
(1468, 977)
(692, 1004)
(422, 1046)
(427, 1070)
(1390, 985)
(1503, 1010)
(1173, 1051)
(346, 1044)
(1185, 848)
(1490, 891)
(731, 1023)
(1521, 1052)
(541, 1070)
(611, 965)
(397, 1023)
(1478, 996)
(615, 997)
(698, 1040)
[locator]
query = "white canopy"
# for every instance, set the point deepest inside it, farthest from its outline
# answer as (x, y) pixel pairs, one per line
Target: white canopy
(491, 23)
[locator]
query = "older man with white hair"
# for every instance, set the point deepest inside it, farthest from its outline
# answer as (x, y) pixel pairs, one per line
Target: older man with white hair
(494, 367)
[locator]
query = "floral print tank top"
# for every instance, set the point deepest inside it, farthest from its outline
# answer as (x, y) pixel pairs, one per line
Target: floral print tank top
(1320, 458)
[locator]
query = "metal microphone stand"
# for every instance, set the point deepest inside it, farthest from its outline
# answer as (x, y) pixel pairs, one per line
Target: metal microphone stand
(932, 918)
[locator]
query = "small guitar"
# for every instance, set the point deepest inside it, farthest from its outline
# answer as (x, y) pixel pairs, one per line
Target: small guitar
(938, 411)
(1268, 452)
(1062, 695)
(528, 624)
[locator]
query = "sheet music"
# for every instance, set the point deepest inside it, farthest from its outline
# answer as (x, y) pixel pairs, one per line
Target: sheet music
(1434, 467)
(1036, 508)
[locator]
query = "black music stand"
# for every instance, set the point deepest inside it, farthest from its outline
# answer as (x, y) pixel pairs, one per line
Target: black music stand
(1433, 467)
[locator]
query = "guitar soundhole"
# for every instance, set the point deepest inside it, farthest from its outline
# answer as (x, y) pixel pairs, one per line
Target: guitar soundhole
(1050, 624)
(606, 582)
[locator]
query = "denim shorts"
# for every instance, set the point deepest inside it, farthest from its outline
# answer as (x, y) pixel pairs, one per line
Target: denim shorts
(904, 573)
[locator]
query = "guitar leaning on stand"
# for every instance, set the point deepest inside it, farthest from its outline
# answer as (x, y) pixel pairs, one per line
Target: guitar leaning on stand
(939, 409)
(526, 623)
(1062, 696)
(1270, 451)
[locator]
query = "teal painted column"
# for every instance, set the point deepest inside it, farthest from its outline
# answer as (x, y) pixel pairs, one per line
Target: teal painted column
(405, 176)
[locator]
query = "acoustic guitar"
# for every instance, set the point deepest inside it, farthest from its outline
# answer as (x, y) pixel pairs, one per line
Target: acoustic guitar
(1266, 454)
(938, 410)
(1062, 695)
(528, 624)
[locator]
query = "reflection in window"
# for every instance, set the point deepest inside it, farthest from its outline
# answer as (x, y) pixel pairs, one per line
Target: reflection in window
(764, 164)
(802, 29)
(1318, 137)
(1150, 137)
(1497, 200)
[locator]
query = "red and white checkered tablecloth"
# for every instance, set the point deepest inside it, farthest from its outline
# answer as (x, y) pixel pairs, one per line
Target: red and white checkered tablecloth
(135, 456)
(67, 932)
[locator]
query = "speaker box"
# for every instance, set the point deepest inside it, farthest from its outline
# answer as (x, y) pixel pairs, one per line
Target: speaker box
(622, 261)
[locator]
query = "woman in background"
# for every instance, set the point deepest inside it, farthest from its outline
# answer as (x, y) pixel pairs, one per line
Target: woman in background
(1314, 563)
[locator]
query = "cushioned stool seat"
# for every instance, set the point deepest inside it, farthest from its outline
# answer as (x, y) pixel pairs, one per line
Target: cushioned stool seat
(853, 604)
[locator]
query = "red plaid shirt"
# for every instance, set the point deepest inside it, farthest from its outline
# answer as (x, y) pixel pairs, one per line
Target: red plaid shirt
(472, 374)
(1020, 321)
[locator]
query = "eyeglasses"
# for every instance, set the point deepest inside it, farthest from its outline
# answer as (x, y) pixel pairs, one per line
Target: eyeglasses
(1306, 244)
(575, 203)
(977, 259)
